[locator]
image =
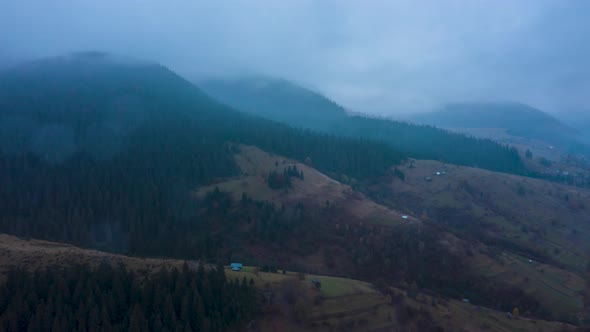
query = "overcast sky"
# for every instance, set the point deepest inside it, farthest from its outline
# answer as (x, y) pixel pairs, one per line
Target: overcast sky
(385, 57)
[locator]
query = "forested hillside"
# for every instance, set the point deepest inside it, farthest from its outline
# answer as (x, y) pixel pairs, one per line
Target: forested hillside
(103, 152)
(284, 101)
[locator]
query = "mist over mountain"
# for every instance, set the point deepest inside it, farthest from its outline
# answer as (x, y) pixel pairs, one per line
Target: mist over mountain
(580, 121)
(277, 99)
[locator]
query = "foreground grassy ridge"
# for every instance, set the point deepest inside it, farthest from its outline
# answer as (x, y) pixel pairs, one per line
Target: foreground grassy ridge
(347, 304)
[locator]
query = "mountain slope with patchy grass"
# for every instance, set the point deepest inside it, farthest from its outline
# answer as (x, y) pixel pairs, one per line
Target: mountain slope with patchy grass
(315, 189)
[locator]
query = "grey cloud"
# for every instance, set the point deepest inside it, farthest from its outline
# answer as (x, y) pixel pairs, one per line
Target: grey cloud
(384, 57)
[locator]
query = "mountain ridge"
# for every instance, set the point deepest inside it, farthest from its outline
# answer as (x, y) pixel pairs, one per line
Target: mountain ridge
(418, 141)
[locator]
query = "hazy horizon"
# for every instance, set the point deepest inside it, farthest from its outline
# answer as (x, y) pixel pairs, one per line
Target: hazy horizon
(383, 58)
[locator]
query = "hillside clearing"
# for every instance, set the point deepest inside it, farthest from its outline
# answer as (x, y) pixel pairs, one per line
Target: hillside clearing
(316, 189)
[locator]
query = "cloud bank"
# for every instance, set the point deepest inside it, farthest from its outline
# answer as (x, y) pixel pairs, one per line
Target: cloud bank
(381, 57)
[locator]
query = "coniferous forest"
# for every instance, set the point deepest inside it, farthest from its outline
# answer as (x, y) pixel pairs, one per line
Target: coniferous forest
(107, 298)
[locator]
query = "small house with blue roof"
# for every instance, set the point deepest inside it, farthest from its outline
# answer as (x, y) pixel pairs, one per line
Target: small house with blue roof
(236, 266)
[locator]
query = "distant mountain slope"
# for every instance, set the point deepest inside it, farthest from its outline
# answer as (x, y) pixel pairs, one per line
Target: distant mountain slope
(284, 101)
(518, 120)
(486, 115)
(580, 121)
